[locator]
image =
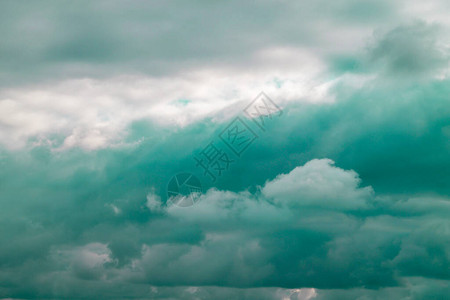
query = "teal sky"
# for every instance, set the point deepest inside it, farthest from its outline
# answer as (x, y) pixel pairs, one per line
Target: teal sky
(346, 195)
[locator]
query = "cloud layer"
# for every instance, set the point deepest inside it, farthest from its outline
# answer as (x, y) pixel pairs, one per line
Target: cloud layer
(312, 221)
(345, 196)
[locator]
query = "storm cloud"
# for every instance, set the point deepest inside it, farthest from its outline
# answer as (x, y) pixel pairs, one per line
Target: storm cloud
(346, 195)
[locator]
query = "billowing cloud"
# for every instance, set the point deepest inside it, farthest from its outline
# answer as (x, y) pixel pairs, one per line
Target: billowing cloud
(322, 222)
(344, 196)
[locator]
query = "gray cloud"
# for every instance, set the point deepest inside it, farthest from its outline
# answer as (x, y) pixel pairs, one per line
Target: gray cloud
(97, 39)
(249, 240)
(345, 196)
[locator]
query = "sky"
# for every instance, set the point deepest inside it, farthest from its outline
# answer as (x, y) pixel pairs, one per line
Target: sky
(338, 187)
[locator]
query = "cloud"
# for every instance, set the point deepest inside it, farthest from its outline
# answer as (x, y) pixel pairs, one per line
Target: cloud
(252, 240)
(308, 218)
(94, 114)
(344, 196)
(319, 185)
(410, 50)
(157, 38)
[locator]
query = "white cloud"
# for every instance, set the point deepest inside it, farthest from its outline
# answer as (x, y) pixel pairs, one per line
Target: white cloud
(154, 202)
(298, 294)
(94, 113)
(88, 261)
(319, 183)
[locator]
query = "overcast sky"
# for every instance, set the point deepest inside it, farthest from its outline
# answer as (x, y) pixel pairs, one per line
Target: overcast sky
(345, 194)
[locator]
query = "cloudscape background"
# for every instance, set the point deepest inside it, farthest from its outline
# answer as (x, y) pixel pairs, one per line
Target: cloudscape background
(346, 195)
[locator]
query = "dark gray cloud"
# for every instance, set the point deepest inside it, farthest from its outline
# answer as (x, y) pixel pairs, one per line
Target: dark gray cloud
(411, 50)
(60, 40)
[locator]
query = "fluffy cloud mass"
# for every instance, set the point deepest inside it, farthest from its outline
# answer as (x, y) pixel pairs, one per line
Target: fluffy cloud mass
(315, 220)
(345, 195)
